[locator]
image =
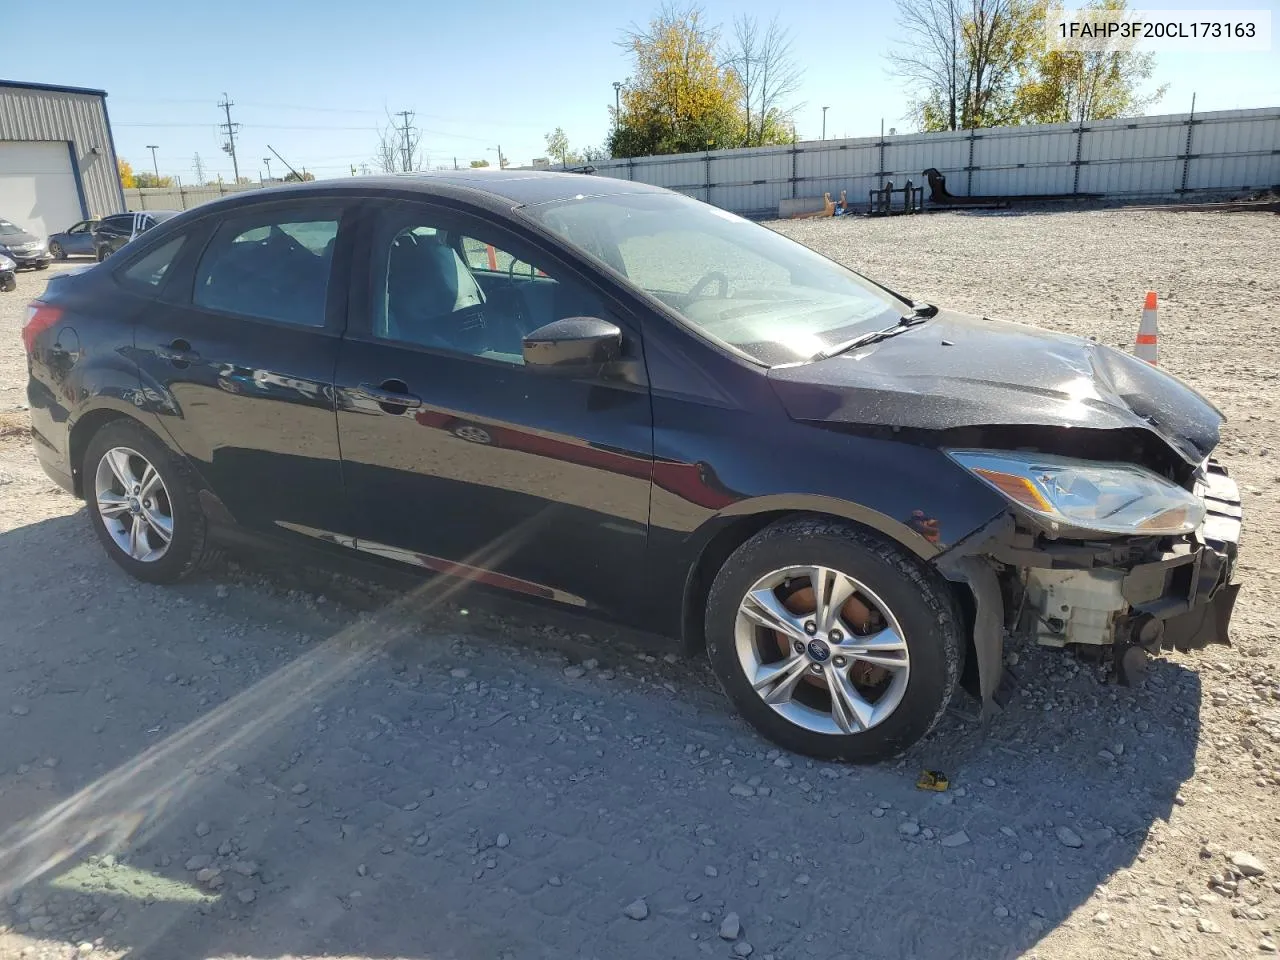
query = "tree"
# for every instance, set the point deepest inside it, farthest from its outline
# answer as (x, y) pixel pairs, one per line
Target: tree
(304, 177)
(127, 180)
(151, 180)
(767, 74)
(476, 164)
(391, 155)
(963, 58)
(680, 98)
(558, 145)
(387, 158)
(1062, 85)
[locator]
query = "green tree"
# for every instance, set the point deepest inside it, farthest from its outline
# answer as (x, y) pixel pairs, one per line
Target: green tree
(292, 177)
(680, 98)
(1060, 86)
(963, 59)
(151, 180)
(476, 164)
(558, 145)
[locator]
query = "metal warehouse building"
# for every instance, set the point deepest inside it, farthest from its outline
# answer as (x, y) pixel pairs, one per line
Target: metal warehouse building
(57, 158)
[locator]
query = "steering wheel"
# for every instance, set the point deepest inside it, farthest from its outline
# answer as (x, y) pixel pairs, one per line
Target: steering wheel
(710, 277)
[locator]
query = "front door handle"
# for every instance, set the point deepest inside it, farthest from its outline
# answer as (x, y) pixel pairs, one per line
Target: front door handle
(178, 352)
(396, 397)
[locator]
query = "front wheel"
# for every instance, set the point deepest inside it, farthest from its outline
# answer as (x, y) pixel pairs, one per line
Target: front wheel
(144, 504)
(56, 251)
(832, 641)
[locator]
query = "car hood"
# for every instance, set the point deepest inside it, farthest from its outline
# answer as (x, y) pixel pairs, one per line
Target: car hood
(17, 239)
(957, 370)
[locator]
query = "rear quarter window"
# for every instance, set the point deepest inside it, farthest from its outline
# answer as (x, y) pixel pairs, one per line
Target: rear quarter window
(149, 270)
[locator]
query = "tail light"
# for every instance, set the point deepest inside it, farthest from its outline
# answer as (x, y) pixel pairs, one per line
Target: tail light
(40, 317)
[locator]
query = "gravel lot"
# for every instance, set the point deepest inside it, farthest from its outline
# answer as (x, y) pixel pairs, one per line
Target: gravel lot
(267, 762)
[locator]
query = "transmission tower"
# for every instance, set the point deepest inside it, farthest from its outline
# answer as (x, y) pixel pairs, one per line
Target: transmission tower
(408, 140)
(198, 166)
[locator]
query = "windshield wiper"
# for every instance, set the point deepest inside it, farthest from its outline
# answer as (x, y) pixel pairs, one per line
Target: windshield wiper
(920, 313)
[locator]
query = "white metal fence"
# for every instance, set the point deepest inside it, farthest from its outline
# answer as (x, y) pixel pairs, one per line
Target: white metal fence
(179, 197)
(1176, 154)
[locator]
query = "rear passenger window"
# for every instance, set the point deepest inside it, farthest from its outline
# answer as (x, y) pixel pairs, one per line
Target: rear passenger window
(149, 271)
(270, 267)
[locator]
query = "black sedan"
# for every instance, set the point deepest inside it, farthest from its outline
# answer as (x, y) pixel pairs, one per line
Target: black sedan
(611, 397)
(24, 249)
(75, 241)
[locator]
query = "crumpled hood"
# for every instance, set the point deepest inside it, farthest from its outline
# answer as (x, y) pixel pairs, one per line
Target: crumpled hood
(957, 370)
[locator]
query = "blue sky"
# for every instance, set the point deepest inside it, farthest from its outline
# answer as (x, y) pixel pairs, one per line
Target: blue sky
(315, 80)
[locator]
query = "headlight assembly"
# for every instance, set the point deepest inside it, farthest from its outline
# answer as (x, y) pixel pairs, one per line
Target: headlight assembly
(1116, 498)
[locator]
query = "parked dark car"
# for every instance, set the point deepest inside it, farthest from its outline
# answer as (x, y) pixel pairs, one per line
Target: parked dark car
(75, 241)
(24, 249)
(115, 231)
(8, 280)
(619, 399)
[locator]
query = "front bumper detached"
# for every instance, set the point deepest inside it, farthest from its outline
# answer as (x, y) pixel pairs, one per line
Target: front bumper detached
(1190, 592)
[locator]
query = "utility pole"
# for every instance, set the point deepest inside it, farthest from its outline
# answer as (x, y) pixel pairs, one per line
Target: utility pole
(824, 122)
(617, 102)
(267, 161)
(198, 165)
(230, 129)
(406, 142)
(154, 166)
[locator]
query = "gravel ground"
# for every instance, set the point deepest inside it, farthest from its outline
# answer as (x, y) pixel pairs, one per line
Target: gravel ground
(266, 762)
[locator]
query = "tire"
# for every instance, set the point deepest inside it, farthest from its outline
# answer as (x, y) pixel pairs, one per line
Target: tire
(183, 553)
(42, 266)
(898, 704)
(56, 251)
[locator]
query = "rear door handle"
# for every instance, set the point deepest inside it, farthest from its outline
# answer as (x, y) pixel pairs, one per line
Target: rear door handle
(392, 398)
(177, 352)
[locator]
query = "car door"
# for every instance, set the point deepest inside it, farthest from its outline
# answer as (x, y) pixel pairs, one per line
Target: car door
(112, 233)
(455, 456)
(242, 345)
(78, 241)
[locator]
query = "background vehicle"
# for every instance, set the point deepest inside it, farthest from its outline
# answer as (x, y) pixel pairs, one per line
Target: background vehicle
(115, 231)
(8, 282)
(635, 404)
(75, 241)
(25, 249)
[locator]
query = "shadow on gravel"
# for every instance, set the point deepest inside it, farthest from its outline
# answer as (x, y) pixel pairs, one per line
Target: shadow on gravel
(234, 769)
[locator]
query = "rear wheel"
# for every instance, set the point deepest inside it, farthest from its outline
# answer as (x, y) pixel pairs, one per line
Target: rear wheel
(143, 503)
(832, 641)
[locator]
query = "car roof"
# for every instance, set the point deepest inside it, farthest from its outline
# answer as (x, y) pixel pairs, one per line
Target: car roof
(506, 187)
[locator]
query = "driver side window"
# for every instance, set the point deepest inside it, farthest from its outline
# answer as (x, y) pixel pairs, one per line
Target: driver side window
(454, 289)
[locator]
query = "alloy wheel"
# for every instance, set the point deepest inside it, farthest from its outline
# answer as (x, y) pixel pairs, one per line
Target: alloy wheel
(822, 650)
(134, 504)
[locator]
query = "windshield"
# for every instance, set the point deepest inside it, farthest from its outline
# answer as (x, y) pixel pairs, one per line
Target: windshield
(734, 280)
(10, 229)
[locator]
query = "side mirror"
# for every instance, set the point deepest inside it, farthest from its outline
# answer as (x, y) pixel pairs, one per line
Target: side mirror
(573, 347)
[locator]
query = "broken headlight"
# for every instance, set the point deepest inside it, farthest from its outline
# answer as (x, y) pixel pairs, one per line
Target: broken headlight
(1116, 498)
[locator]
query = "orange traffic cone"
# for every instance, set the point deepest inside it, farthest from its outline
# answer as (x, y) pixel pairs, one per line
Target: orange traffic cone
(1146, 346)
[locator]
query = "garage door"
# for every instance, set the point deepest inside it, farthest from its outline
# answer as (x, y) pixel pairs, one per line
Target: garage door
(37, 188)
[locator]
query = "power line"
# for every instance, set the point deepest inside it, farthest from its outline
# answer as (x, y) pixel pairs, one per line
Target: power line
(230, 129)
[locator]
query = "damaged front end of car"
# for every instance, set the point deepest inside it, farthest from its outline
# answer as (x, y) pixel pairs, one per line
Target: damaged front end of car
(1168, 584)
